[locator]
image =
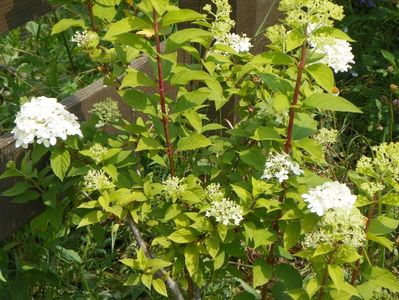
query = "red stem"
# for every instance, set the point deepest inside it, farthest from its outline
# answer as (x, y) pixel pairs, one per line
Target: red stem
(356, 269)
(161, 86)
(91, 15)
(301, 66)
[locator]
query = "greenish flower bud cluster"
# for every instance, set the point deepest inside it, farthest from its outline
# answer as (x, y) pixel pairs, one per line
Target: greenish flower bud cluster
(97, 152)
(222, 23)
(326, 137)
(107, 111)
(96, 181)
(300, 13)
(173, 187)
(338, 226)
(371, 188)
(384, 163)
(214, 192)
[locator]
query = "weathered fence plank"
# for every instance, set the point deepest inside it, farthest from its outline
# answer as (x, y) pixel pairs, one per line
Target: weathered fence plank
(14, 13)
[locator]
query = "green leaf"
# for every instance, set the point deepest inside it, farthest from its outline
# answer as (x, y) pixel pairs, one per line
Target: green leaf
(191, 257)
(262, 273)
(146, 279)
(2, 277)
(180, 16)
(323, 75)
(185, 76)
(92, 217)
(383, 278)
(132, 280)
(337, 275)
(136, 78)
(383, 225)
(192, 142)
(65, 24)
(389, 57)
(295, 38)
(69, 254)
(334, 32)
(263, 133)
(183, 236)
(147, 143)
(60, 161)
(216, 93)
(218, 261)
(160, 5)
(17, 189)
(124, 26)
(380, 240)
(253, 157)
(272, 57)
(177, 39)
(331, 102)
(212, 245)
(277, 84)
(159, 285)
(313, 148)
(291, 234)
(173, 211)
(290, 276)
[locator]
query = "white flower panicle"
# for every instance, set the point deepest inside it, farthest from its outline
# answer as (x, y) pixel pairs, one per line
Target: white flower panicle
(97, 152)
(107, 112)
(173, 187)
(240, 43)
(96, 181)
(339, 226)
(336, 53)
(329, 195)
(45, 120)
(279, 166)
(214, 192)
(226, 212)
(83, 38)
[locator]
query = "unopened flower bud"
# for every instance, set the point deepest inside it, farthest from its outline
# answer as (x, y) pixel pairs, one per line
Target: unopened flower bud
(256, 79)
(395, 102)
(393, 88)
(389, 69)
(335, 91)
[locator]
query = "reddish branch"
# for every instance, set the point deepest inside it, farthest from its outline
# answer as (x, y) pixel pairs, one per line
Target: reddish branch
(161, 86)
(356, 269)
(91, 15)
(301, 66)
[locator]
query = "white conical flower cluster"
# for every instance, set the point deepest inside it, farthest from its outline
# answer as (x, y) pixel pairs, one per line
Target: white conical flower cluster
(279, 166)
(84, 38)
(329, 195)
(45, 120)
(226, 212)
(337, 53)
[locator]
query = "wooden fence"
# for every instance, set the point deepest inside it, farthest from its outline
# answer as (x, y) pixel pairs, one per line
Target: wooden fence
(249, 15)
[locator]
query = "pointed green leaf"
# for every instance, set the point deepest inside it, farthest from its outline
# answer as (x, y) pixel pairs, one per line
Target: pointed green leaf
(192, 142)
(262, 273)
(331, 102)
(60, 161)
